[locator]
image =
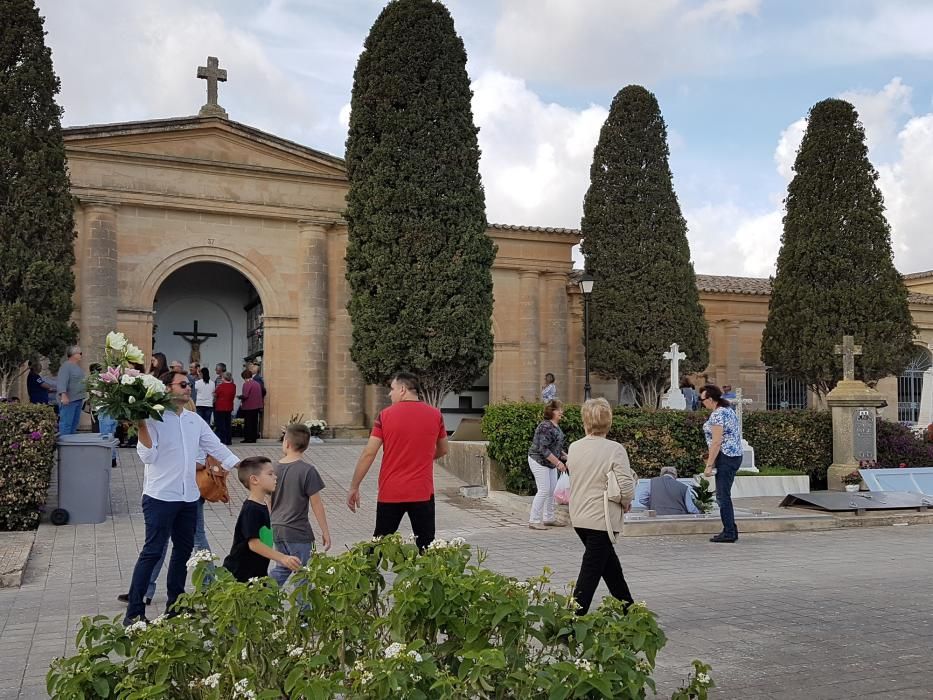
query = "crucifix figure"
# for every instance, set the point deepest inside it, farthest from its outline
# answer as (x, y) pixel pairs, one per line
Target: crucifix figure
(212, 74)
(195, 337)
(674, 397)
(848, 350)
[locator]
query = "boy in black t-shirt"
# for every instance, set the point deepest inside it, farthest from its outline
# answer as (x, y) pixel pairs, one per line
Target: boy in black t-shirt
(249, 556)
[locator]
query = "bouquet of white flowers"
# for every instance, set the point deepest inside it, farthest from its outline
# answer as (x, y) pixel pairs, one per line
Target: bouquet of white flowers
(122, 392)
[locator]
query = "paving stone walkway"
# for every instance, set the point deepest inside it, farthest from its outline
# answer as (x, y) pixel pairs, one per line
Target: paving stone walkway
(817, 615)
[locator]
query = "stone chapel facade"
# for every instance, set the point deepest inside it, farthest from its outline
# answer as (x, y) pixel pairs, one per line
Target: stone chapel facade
(205, 219)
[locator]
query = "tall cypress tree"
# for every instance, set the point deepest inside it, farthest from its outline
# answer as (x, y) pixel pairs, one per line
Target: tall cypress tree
(835, 273)
(635, 242)
(36, 211)
(418, 259)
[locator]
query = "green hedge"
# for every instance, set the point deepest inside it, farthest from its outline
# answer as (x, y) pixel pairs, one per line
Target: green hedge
(797, 440)
(27, 453)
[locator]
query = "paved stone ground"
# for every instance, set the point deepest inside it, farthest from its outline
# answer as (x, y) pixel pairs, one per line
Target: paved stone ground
(791, 615)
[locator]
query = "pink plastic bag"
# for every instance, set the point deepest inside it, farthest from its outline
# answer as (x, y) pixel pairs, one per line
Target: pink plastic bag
(562, 490)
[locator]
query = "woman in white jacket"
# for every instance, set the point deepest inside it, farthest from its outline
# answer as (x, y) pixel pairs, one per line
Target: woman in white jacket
(205, 401)
(597, 512)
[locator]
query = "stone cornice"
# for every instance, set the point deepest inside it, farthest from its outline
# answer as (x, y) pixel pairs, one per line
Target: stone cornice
(204, 166)
(180, 202)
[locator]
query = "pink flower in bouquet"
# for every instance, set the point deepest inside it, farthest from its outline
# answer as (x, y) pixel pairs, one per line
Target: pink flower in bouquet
(111, 376)
(132, 372)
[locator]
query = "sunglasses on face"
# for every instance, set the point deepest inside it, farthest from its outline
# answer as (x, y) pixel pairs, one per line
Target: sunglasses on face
(183, 385)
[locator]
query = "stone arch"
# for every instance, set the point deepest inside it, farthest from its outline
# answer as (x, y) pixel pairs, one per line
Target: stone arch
(251, 271)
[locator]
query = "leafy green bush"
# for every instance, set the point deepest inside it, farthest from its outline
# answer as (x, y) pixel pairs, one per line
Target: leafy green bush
(27, 453)
(445, 629)
(797, 440)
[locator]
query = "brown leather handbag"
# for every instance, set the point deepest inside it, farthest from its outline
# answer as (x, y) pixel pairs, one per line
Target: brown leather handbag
(212, 481)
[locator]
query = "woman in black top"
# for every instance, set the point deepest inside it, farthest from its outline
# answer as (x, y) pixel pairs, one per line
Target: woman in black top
(546, 457)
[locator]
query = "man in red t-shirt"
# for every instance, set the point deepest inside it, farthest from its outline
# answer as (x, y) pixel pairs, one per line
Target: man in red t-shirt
(411, 435)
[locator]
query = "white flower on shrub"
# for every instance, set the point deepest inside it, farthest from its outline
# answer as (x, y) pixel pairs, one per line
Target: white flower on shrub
(243, 654)
(703, 678)
(393, 650)
(138, 626)
(331, 571)
(457, 542)
(643, 666)
(521, 584)
(208, 645)
(296, 651)
(415, 655)
(277, 634)
(409, 539)
(160, 619)
(439, 543)
(275, 662)
(583, 665)
(202, 555)
(241, 689)
(366, 677)
(212, 681)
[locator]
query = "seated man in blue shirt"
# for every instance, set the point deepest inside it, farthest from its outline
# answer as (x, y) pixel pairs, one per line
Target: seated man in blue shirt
(667, 496)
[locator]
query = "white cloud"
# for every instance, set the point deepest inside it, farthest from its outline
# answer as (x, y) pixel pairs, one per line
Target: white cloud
(786, 152)
(616, 41)
(882, 112)
(536, 155)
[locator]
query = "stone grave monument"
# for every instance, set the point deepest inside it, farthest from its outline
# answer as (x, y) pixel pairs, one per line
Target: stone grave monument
(674, 398)
(748, 452)
(854, 406)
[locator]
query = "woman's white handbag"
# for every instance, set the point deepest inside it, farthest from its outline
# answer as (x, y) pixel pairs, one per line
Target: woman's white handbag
(612, 493)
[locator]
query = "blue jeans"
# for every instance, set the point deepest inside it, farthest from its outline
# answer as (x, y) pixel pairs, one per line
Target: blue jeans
(108, 426)
(200, 542)
(69, 416)
(164, 520)
(302, 550)
(726, 469)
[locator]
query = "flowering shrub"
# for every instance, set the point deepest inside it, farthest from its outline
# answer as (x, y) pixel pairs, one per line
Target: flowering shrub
(445, 628)
(897, 444)
(122, 392)
(317, 427)
(852, 478)
(27, 453)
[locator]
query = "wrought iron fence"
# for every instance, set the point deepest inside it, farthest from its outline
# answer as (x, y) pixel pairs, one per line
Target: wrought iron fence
(910, 386)
(783, 392)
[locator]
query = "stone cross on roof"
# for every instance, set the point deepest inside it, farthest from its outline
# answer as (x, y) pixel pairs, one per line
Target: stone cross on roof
(848, 350)
(212, 74)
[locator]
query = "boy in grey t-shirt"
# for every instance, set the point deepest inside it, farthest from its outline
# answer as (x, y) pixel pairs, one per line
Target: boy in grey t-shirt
(298, 485)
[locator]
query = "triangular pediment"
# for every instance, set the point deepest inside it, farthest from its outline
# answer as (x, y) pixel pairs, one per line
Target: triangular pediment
(202, 140)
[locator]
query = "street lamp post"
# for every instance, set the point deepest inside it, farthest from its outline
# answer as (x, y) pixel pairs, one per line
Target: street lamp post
(586, 286)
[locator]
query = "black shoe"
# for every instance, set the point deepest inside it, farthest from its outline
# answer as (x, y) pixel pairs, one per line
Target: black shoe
(113, 462)
(723, 538)
(142, 618)
(125, 598)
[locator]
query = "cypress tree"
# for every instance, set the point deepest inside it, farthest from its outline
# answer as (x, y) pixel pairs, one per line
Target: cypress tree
(635, 242)
(36, 210)
(418, 257)
(835, 274)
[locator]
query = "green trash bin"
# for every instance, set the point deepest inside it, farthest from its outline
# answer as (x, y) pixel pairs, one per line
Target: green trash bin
(83, 478)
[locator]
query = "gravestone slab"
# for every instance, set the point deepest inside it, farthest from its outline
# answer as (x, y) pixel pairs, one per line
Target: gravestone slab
(909, 479)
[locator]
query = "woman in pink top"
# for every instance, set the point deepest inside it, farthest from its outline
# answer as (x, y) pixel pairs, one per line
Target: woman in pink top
(250, 404)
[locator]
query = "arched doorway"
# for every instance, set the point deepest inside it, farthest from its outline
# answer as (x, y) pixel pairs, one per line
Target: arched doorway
(910, 386)
(210, 313)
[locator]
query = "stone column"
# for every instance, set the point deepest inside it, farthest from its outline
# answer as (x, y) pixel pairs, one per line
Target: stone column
(284, 351)
(529, 342)
(733, 354)
(554, 358)
(99, 290)
(312, 315)
(576, 349)
(854, 407)
(345, 389)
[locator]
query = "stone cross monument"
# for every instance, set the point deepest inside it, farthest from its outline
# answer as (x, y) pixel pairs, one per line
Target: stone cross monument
(674, 398)
(212, 74)
(854, 406)
(748, 452)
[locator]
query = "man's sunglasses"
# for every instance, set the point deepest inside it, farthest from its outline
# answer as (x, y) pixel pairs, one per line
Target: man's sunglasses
(183, 385)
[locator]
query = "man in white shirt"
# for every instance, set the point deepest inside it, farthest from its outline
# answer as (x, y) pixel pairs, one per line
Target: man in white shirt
(169, 449)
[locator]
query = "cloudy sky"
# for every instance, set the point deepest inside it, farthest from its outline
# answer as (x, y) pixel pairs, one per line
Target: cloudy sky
(734, 78)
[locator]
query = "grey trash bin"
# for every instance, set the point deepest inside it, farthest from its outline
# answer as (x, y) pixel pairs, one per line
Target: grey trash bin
(83, 478)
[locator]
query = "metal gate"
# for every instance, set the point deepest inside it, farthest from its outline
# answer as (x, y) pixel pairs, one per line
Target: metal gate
(909, 386)
(784, 392)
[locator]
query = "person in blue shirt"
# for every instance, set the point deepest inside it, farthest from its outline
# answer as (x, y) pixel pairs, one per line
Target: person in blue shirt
(36, 385)
(667, 496)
